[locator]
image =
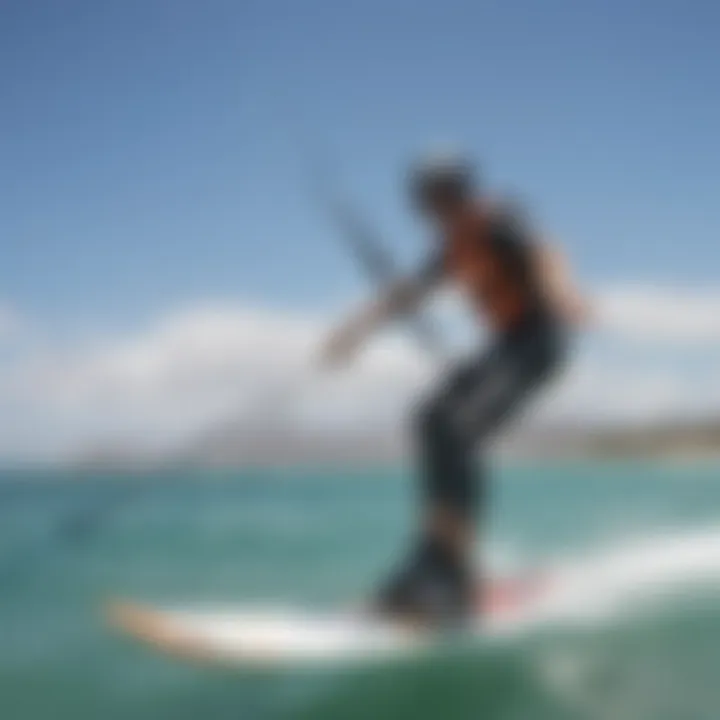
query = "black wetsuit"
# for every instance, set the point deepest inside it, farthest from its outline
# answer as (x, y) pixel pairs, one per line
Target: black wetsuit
(474, 402)
(453, 425)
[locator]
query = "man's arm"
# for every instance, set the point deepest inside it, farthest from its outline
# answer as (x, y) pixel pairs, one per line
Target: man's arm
(558, 285)
(401, 297)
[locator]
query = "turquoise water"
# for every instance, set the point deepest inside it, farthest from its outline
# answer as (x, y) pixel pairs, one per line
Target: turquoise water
(67, 544)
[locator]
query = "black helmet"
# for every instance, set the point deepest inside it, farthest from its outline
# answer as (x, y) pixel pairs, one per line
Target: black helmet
(441, 179)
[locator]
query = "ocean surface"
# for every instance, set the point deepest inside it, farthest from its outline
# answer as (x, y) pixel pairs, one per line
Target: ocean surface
(647, 643)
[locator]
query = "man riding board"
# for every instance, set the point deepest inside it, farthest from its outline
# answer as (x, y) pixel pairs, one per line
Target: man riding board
(521, 288)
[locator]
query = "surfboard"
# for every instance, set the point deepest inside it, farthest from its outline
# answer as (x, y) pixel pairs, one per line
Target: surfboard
(265, 636)
(637, 577)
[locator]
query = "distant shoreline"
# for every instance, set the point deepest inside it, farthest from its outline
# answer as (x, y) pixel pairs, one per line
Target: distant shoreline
(233, 449)
(83, 473)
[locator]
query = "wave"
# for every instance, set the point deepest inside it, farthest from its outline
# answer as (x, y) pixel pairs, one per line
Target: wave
(627, 577)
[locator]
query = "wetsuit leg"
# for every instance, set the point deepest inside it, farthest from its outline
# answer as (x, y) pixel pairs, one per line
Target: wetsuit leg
(476, 400)
(479, 398)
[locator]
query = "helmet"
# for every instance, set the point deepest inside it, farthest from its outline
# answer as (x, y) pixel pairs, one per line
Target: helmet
(441, 179)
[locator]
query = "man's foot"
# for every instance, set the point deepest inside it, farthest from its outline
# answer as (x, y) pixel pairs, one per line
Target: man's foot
(433, 586)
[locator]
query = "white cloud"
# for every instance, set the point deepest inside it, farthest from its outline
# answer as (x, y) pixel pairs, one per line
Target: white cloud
(189, 367)
(183, 371)
(633, 392)
(662, 313)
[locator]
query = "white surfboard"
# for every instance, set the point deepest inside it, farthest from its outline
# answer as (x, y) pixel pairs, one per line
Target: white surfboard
(583, 590)
(271, 636)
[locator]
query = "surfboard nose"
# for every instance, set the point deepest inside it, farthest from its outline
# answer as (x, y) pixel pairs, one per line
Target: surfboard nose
(156, 628)
(132, 617)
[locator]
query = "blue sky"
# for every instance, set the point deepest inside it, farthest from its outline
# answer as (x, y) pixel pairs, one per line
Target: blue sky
(157, 151)
(155, 166)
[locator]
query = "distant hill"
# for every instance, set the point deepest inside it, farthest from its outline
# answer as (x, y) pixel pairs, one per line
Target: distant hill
(241, 443)
(662, 439)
